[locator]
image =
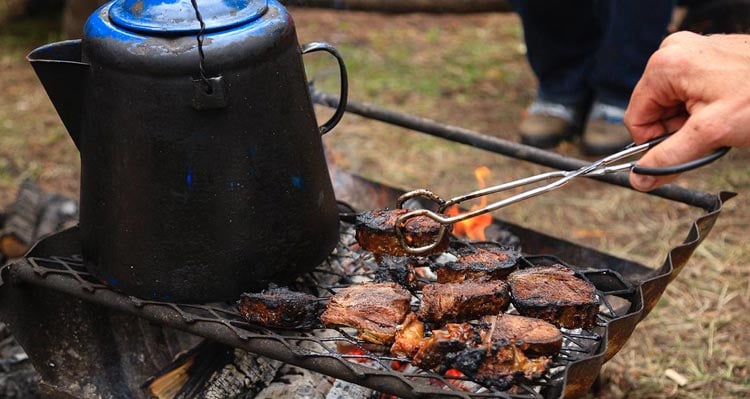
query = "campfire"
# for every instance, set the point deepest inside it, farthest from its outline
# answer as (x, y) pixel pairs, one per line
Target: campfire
(278, 360)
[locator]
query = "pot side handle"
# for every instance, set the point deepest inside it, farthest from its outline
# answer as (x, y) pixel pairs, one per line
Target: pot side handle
(341, 107)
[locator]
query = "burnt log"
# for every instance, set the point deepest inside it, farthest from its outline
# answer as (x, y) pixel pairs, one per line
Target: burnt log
(32, 216)
(212, 370)
(296, 382)
(246, 375)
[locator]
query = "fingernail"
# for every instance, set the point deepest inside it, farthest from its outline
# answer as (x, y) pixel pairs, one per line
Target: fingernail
(643, 182)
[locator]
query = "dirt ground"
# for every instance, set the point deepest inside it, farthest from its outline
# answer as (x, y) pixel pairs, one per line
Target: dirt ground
(470, 71)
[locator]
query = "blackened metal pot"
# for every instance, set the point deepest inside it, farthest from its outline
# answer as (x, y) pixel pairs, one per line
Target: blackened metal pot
(202, 167)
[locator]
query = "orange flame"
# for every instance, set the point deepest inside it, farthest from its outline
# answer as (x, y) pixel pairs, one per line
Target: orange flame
(473, 228)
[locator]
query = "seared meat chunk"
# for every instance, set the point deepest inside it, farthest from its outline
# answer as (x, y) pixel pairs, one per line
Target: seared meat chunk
(473, 350)
(376, 232)
(451, 339)
(407, 271)
(409, 336)
(455, 302)
(533, 337)
(281, 308)
(374, 309)
(479, 264)
(500, 365)
(555, 294)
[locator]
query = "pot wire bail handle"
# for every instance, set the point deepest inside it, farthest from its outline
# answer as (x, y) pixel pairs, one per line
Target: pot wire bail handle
(597, 168)
(201, 34)
(208, 92)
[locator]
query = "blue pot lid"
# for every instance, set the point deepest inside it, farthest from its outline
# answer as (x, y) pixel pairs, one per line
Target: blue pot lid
(167, 17)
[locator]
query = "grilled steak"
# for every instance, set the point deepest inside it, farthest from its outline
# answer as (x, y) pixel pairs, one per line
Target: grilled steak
(533, 337)
(374, 309)
(456, 302)
(409, 336)
(555, 294)
(479, 264)
(281, 308)
(376, 232)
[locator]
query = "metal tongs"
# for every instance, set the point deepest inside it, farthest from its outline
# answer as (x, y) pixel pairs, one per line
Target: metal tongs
(597, 168)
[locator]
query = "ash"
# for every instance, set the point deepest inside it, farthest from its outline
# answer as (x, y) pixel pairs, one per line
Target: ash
(17, 376)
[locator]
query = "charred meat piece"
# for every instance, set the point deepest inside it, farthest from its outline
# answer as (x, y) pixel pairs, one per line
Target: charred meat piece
(555, 294)
(375, 310)
(533, 337)
(456, 302)
(479, 264)
(409, 336)
(376, 232)
(485, 352)
(281, 308)
(451, 339)
(408, 271)
(473, 350)
(500, 365)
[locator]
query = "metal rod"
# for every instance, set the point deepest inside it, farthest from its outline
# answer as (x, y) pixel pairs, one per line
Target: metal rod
(496, 145)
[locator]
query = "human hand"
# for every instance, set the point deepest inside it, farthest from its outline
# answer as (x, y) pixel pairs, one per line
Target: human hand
(698, 87)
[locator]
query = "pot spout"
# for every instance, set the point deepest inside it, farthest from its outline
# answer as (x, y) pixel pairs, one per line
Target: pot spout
(63, 75)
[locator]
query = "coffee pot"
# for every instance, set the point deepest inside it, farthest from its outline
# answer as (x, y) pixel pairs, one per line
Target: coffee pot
(203, 173)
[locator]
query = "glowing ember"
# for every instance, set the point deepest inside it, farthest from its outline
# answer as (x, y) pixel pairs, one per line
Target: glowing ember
(399, 365)
(454, 378)
(352, 352)
(473, 228)
(454, 373)
(350, 349)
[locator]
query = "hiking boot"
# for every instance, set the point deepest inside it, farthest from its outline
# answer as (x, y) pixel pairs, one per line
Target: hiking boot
(605, 132)
(547, 124)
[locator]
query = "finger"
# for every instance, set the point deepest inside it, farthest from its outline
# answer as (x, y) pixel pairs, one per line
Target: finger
(649, 106)
(648, 182)
(685, 145)
(674, 123)
(662, 127)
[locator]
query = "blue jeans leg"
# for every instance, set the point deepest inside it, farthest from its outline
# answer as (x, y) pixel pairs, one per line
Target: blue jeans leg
(585, 49)
(633, 30)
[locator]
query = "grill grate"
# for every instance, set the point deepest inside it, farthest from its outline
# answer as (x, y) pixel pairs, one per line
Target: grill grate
(339, 347)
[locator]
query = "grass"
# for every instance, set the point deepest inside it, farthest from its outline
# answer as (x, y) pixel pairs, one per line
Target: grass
(470, 71)
(33, 143)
